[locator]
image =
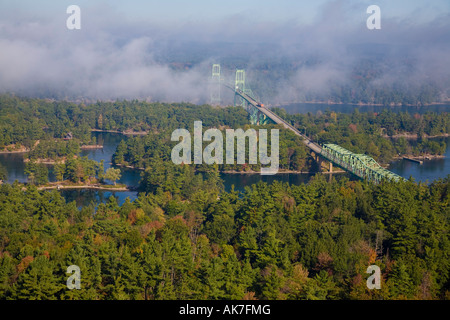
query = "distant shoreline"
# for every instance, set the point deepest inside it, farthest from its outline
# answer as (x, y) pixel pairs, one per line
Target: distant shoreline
(414, 136)
(422, 157)
(279, 105)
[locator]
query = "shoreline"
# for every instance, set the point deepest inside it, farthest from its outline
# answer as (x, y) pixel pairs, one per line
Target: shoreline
(251, 172)
(284, 172)
(84, 147)
(94, 146)
(94, 187)
(127, 166)
(415, 136)
(421, 158)
(361, 104)
(46, 161)
(12, 152)
(126, 133)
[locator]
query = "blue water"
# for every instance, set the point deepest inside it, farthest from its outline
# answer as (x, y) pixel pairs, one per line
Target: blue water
(427, 172)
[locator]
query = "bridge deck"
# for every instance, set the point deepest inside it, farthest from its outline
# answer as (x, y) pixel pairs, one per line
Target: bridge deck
(308, 142)
(361, 165)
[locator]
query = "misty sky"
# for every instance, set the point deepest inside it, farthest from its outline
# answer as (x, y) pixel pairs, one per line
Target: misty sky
(182, 11)
(118, 51)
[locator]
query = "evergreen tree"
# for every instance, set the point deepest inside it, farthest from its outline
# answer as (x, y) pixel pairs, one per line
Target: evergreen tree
(38, 282)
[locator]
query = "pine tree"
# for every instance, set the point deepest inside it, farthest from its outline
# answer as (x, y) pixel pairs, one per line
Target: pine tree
(38, 282)
(112, 175)
(7, 270)
(59, 171)
(402, 286)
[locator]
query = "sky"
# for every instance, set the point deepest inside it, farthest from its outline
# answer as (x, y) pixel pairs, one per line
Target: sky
(117, 52)
(159, 11)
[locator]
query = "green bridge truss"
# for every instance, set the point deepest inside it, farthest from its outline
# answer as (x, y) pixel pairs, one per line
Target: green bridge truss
(361, 165)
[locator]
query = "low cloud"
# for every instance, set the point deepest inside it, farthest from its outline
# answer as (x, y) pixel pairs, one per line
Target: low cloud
(128, 60)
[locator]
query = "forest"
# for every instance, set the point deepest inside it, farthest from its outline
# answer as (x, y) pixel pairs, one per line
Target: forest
(188, 239)
(25, 120)
(185, 237)
(144, 152)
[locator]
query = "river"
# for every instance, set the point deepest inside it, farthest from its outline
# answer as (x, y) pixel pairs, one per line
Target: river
(427, 172)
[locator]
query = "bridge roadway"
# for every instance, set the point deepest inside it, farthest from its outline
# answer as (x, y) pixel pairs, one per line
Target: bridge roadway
(308, 142)
(361, 165)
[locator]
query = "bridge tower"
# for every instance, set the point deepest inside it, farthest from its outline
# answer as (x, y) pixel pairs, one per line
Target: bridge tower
(239, 84)
(240, 79)
(255, 115)
(215, 85)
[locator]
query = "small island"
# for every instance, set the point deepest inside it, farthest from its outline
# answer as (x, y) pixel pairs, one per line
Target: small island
(73, 172)
(61, 185)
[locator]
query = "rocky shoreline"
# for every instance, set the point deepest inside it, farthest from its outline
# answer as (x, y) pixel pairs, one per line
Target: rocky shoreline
(88, 186)
(415, 136)
(95, 146)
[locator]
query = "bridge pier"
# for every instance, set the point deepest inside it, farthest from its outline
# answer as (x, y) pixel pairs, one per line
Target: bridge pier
(331, 172)
(319, 162)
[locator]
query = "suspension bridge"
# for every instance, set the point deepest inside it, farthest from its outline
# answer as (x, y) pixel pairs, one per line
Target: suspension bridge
(361, 165)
